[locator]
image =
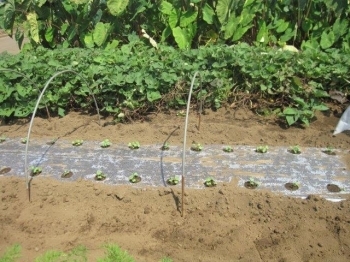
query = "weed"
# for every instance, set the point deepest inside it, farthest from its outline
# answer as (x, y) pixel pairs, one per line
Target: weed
(261, 149)
(35, 170)
(2, 139)
(115, 253)
(166, 146)
(100, 175)
(196, 147)
(174, 180)
(210, 182)
(77, 142)
(105, 143)
(295, 149)
(134, 145)
(228, 149)
(134, 178)
(11, 254)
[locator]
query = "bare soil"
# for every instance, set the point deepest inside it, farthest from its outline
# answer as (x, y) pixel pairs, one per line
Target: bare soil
(224, 223)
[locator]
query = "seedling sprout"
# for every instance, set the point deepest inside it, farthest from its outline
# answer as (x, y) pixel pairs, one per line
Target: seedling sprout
(100, 175)
(228, 149)
(67, 174)
(329, 151)
(24, 140)
(165, 146)
(134, 178)
(35, 170)
(174, 180)
(262, 149)
(134, 145)
(295, 149)
(196, 147)
(210, 182)
(77, 142)
(105, 143)
(251, 183)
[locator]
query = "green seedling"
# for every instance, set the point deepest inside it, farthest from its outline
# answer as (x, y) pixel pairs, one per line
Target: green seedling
(196, 147)
(295, 149)
(134, 178)
(329, 151)
(174, 180)
(262, 149)
(100, 175)
(67, 174)
(134, 145)
(166, 146)
(2, 139)
(24, 140)
(227, 149)
(210, 182)
(36, 170)
(105, 143)
(77, 142)
(181, 113)
(252, 183)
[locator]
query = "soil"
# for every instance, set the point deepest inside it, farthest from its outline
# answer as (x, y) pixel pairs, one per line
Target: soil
(223, 223)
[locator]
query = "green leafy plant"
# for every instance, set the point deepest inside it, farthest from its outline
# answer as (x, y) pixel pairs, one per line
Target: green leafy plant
(24, 140)
(134, 145)
(105, 143)
(196, 147)
(2, 139)
(262, 149)
(329, 151)
(134, 178)
(210, 182)
(181, 113)
(100, 175)
(77, 142)
(252, 183)
(11, 254)
(166, 146)
(295, 149)
(227, 149)
(35, 170)
(174, 180)
(115, 253)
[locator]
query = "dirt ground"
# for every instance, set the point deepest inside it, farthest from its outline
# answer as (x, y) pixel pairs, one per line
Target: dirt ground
(225, 223)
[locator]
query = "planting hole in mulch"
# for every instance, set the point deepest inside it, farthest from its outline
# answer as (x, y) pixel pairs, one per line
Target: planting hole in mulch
(67, 174)
(250, 185)
(333, 188)
(291, 186)
(5, 170)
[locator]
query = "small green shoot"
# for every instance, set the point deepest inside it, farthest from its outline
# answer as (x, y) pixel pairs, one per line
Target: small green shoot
(11, 254)
(23, 140)
(251, 183)
(196, 147)
(262, 149)
(329, 151)
(295, 149)
(2, 139)
(134, 178)
(105, 143)
(35, 170)
(77, 142)
(100, 175)
(228, 149)
(210, 182)
(174, 180)
(134, 145)
(67, 174)
(166, 146)
(181, 113)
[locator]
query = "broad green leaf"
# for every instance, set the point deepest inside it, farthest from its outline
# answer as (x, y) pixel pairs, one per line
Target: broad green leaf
(262, 36)
(340, 27)
(290, 111)
(208, 14)
(231, 26)
(40, 3)
(188, 17)
(61, 112)
(100, 33)
(223, 9)
(49, 34)
(153, 95)
(9, 14)
(173, 19)
(327, 40)
(34, 30)
(181, 38)
(166, 33)
(89, 40)
(117, 7)
(291, 119)
(112, 45)
(282, 26)
(240, 31)
(166, 8)
(320, 107)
